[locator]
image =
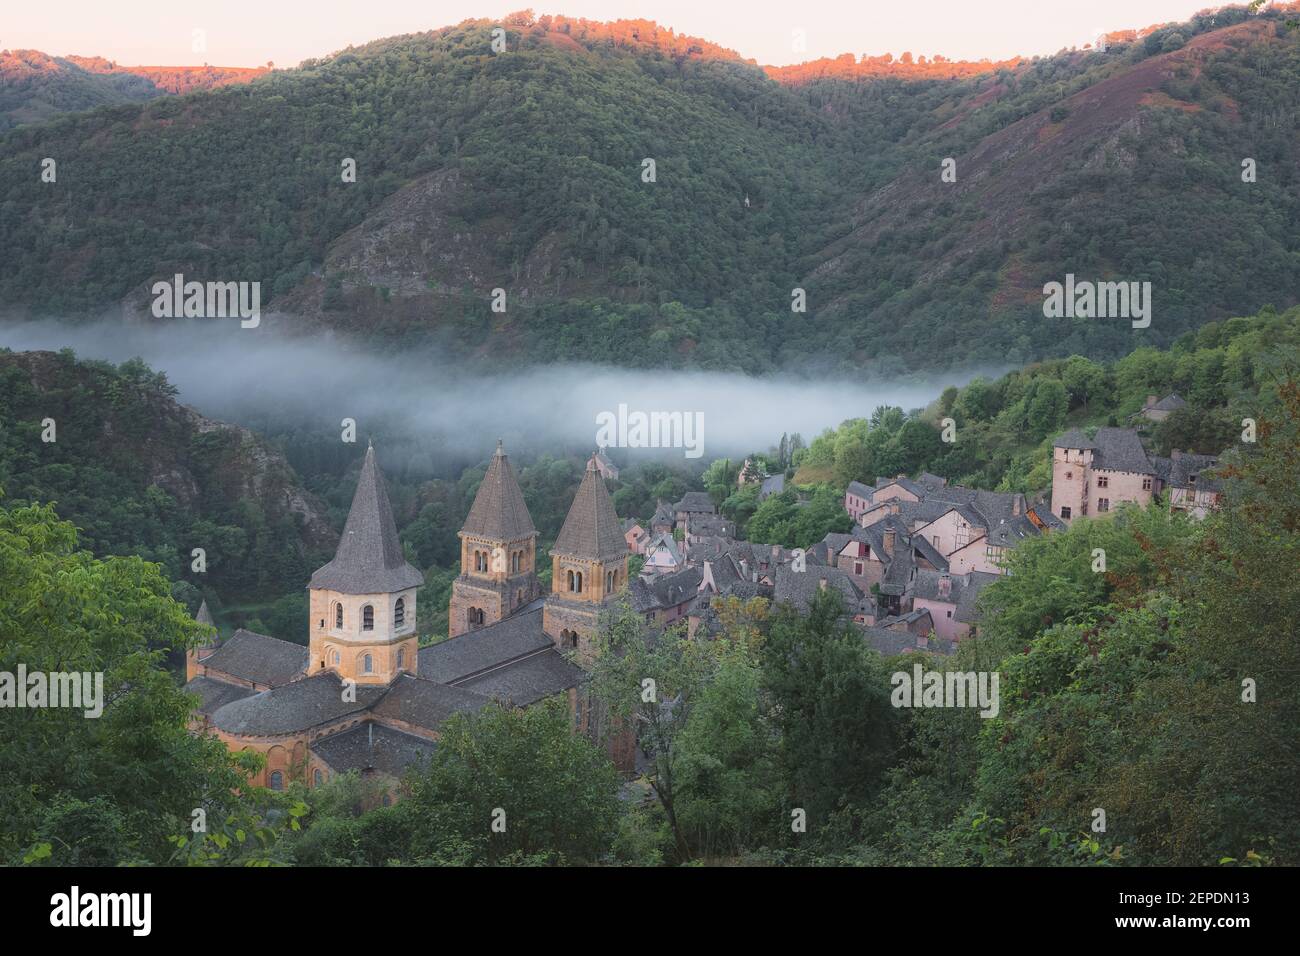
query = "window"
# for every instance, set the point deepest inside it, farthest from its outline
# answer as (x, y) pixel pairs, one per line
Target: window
(1103, 504)
(318, 778)
(277, 780)
(578, 578)
(1103, 481)
(1146, 484)
(1065, 512)
(1069, 475)
(401, 657)
(399, 612)
(950, 613)
(570, 580)
(857, 567)
(366, 665)
(388, 801)
(338, 615)
(367, 618)
(336, 658)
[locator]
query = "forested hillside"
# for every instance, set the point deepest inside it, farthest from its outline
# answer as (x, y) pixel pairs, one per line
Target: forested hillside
(35, 86)
(523, 171)
(142, 475)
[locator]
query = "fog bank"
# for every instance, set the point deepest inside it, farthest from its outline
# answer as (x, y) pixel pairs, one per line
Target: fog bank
(454, 410)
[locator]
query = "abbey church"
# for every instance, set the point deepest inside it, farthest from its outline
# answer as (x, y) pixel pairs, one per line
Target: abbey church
(363, 694)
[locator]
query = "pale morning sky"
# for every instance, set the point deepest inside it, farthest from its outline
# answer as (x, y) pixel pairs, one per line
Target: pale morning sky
(251, 32)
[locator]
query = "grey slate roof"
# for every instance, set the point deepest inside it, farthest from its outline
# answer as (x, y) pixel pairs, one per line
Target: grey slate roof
(664, 590)
(369, 559)
(772, 485)
(890, 643)
(293, 708)
(499, 511)
(1184, 468)
(591, 528)
(696, 502)
(529, 680)
(859, 490)
(372, 746)
(476, 651)
(425, 703)
(203, 615)
(1114, 449)
(215, 694)
(1170, 403)
(798, 588)
(258, 658)
(966, 611)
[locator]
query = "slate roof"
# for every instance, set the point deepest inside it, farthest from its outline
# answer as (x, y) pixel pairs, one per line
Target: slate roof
(859, 490)
(369, 559)
(425, 703)
(529, 680)
(1185, 467)
(1170, 403)
(665, 540)
(294, 707)
(591, 529)
(928, 551)
(664, 590)
(966, 611)
(215, 694)
(890, 643)
(1114, 449)
(203, 615)
(696, 502)
(476, 651)
(372, 746)
(258, 658)
(798, 588)
(1074, 438)
(772, 485)
(499, 511)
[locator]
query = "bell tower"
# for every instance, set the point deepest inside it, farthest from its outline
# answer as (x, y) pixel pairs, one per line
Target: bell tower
(498, 567)
(363, 602)
(588, 566)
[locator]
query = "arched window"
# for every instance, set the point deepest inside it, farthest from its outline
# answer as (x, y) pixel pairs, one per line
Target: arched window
(399, 612)
(388, 801)
(366, 664)
(367, 618)
(277, 780)
(578, 578)
(401, 657)
(336, 658)
(317, 777)
(338, 615)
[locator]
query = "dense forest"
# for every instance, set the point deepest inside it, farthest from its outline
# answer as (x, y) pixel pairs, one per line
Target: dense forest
(524, 171)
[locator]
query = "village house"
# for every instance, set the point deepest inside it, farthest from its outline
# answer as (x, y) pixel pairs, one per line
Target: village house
(663, 555)
(1158, 411)
(1091, 476)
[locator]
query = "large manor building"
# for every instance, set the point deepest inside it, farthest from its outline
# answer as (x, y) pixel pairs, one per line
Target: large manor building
(363, 694)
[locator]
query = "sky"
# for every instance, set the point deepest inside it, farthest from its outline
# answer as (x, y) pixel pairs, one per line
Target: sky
(253, 32)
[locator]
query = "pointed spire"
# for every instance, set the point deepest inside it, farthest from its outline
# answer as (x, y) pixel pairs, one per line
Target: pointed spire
(592, 529)
(203, 615)
(499, 512)
(369, 559)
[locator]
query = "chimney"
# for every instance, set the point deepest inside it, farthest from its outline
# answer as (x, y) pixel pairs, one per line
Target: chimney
(1151, 400)
(945, 585)
(889, 542)
(822, 584)
(1018, 505)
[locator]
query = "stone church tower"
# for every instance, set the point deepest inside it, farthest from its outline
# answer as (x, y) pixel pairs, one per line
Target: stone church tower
(589, 566)
(363, 602)
(498, 568)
